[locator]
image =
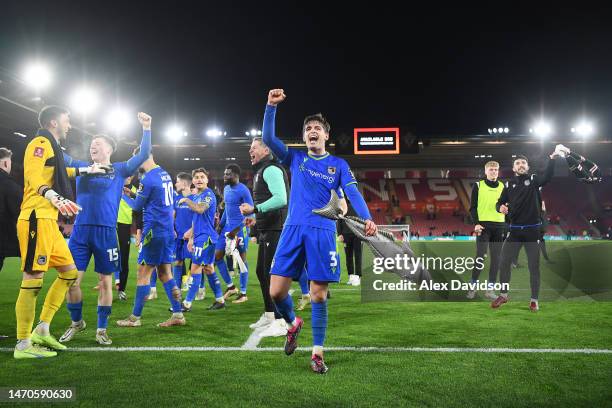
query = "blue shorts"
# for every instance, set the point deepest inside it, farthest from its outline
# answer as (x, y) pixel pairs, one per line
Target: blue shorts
(180, 250)
(301, 245)
(243, 239)
(156, 250)
(203, 252)
(99, 241)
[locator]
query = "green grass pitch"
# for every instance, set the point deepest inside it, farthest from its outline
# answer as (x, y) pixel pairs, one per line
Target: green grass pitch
(356, 377)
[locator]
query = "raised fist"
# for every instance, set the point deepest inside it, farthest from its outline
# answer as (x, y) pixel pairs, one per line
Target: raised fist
(276, 96)
(145, 120)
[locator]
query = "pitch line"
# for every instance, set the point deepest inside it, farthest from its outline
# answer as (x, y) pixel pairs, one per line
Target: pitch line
(351, 349)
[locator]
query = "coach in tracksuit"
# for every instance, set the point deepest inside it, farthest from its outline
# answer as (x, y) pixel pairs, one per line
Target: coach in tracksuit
(270, 196)
(489, 224)
(520, 200)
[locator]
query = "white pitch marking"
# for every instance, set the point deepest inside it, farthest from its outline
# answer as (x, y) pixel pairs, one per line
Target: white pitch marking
(353, 349)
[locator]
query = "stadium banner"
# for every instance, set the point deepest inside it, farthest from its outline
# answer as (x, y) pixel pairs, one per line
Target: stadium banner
(579, 270)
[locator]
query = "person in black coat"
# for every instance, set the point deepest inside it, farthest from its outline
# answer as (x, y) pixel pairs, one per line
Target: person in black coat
(11, 195)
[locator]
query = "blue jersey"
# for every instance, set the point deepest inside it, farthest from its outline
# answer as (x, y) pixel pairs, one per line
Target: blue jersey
(312, 179)
(155, 198)
(99, 195)
(233, 197)
(204, 224)
(183, 215)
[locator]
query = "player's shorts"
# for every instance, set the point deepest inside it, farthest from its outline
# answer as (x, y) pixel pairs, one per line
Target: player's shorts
(156, 250)
(243, 239)
(42, 245)
(300, 245)
(101, 242)
(180, 250)
(203, 252)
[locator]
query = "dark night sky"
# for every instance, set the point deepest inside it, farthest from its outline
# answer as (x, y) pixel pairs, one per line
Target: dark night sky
(455, 71)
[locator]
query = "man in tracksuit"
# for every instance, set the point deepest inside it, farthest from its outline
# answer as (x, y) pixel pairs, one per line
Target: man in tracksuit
(489, 225)
(520, 200)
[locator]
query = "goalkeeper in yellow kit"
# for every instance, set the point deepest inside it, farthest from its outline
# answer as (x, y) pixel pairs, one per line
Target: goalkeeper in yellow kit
(47, 190)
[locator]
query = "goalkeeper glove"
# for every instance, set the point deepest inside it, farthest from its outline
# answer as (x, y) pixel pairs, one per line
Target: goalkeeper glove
(66, 207)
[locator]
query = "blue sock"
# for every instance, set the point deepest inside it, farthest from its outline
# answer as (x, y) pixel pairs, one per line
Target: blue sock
(76, 311)
(193, 288)
(319, 323)
(142, 291)
(285, 308)
(177, 273)
(244, 280)
(171, 291)
(117, 275)
(103, 313)
(304, 287)
(154, 279)
(222, 266)
(215, 285)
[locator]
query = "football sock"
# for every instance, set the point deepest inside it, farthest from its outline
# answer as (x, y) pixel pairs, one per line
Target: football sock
(174, 295)
(215, 285)
(319, 322)
(76, 311)
(222, 266)
(285, 308)
(57, 293)
(154, 279)
(142, 291)
(177, 272)
(304, 283)
(244, 280)
(193, 288)
(103, 313)
(25, 307)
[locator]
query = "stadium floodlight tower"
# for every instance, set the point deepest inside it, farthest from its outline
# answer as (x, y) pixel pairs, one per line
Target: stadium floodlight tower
(37, 76)
(214, 132)
(84, 100)
(583, 129)
(541, 129)
(176, 132)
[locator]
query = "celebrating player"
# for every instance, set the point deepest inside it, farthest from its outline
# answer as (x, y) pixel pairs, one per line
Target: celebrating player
(202, 241)
(155, 198)
(95, 229)
(308, 238)
(46, 190)
(234, 195)
(183, 216)
(520, 200)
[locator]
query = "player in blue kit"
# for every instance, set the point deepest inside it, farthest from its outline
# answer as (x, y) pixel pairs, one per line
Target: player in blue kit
(183, 217)
(95, 229)
(155, 198)
(203, 240)
(308, 238)
(234, 194)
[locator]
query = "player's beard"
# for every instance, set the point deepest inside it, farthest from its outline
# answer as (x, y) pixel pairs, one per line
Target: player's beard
(230, 183)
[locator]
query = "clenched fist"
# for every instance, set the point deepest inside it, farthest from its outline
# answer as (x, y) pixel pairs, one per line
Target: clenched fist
(276, 96)
(145, 120)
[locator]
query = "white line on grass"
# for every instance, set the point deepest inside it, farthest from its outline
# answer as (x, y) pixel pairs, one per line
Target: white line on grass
(352, 349)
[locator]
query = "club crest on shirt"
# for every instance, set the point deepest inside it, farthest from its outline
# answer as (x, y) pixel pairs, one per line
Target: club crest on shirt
(42, 259)
(331, 170)
(39, 152)
(527, 182)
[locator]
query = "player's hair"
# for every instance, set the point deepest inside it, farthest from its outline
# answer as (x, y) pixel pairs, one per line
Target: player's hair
(317, 117)
(261, 142)
(491, 163)
(520, 157)
(5, 153)
(109, 139)
(184, 176)
(199, 170)
(234, 168)
(49, 113)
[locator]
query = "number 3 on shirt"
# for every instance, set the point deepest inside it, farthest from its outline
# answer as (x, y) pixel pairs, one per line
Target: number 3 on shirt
(169, 196)
(333, 261)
